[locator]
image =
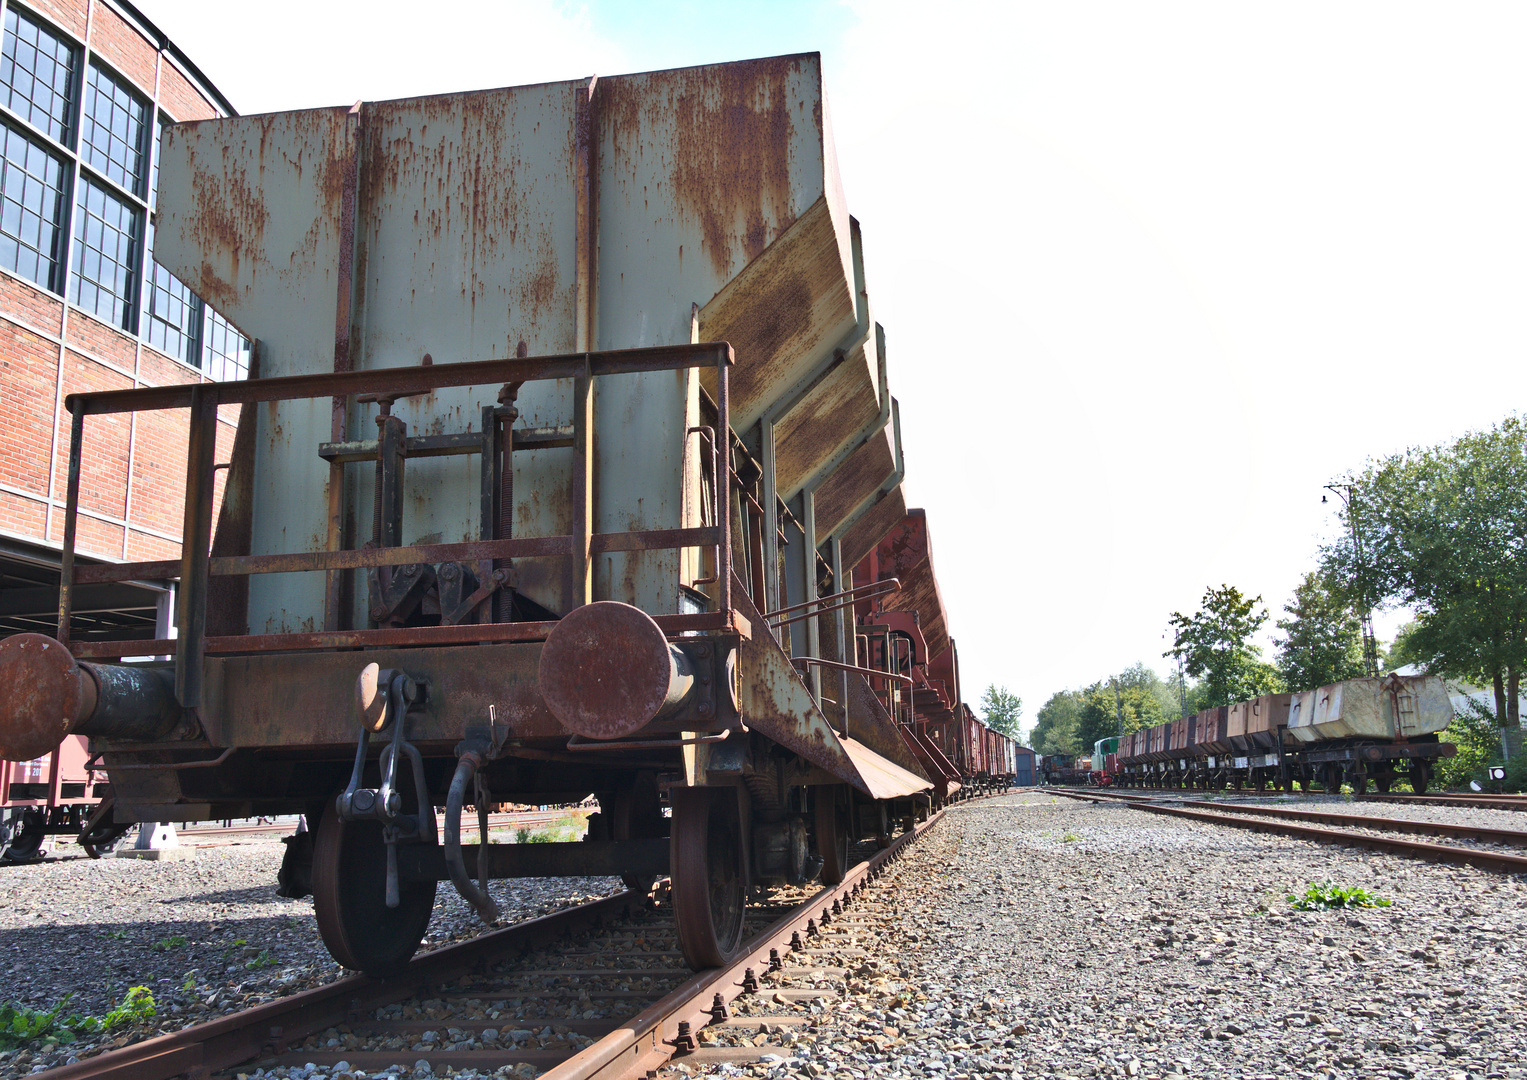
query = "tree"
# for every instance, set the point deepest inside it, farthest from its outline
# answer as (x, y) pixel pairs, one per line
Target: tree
(1001, 710)
(1442, 531)
(1324, 639)
(1055, 726)
(1215, 646)
(1099, 715)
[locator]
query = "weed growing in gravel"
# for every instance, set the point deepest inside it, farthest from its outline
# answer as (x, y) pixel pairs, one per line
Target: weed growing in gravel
(166, 944)
(1069, 837)
(20, 1025)
(1328, 895)
(264, 960)
(115, 935)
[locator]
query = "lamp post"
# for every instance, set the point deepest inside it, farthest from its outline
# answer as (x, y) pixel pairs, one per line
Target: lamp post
(1370, 643)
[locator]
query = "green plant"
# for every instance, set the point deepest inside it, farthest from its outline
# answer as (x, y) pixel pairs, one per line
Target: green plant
(1069, 837)
(136, 1007)
(1328, 895)
(166, 944)
(264, 960)
(115, 935)
(190, 983)
(20, 1025)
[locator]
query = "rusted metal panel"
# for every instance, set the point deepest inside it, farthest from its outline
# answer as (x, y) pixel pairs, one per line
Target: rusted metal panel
(858, 478)
(870, 724)
(906, 554)
(827, 419)
(467, 233)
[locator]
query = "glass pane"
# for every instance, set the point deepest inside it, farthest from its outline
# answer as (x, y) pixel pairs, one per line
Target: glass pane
(29, 180)
(37, 76)
(105, 255)
(112, 134)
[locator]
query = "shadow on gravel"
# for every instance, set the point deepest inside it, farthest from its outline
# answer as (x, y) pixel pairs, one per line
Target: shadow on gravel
(259, 894)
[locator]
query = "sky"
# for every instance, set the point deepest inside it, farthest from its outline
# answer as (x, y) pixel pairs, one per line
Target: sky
(1151, 274)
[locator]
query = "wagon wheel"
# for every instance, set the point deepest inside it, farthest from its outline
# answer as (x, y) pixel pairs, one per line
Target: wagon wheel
(1359, 783)
(103, 840)
(705, 864)
(1383, 782)
(636, 813)
(100, 833)
(350, 898)
(832, 827)
(1420, 776)
(26, 841)
(1333, 778)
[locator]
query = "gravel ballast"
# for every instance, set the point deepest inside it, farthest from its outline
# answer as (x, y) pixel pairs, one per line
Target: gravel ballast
(207, 936)
(1031, 935)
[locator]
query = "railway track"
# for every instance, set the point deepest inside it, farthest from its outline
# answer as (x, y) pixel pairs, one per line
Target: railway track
(1477, 801)
(1300, 823)
(598, 990)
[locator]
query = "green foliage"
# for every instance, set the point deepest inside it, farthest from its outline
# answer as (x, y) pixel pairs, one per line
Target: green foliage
(166, 944)
(1441, 530)
(1056, 726)
(1323, 640)
(1215, 647)
(115, 935)
(20, 1025)
(1072, 721)
(1473, 731)
(264, 960)
(136, 1007)
(1328, 895)
(1001, 710)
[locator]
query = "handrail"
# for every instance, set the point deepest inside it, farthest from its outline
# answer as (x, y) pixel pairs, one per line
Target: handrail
(884, 585)
(851, 667)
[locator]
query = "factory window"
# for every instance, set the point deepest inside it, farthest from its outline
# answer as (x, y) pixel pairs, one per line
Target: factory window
(90, 111)
(32, 206)
(105, 254)
(112, 131)
(227, 350)
(37, 75)
(176, 321)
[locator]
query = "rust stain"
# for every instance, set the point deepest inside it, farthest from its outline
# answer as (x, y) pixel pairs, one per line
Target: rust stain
(729, 161)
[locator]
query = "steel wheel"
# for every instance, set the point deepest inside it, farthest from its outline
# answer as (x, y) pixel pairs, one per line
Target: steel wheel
(832, 826)
(705, 864)
(1333, 779)
(635, 813)
(350, 899)
(1420, 776)
(26, 841)
(1359, 783)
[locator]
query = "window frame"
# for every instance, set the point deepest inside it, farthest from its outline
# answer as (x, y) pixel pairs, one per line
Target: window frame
(71, 154)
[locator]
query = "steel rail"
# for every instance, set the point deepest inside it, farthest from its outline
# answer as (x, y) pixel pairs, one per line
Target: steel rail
(1496, 861)
(1514, 837)
(1481, 801)
(270, 1028)
(646, 1041)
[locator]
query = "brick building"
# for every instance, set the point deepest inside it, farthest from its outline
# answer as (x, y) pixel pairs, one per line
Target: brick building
(86, 87)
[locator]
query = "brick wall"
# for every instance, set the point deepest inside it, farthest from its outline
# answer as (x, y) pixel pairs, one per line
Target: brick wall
(133, 467)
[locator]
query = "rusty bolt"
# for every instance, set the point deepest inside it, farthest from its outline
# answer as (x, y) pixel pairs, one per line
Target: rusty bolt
(826, 916)
(718, 1010)
(811, 928)
(774, 961)
(704, 708)
(702, 650)
(684, 1041)
(750, 981)
(837, 908)
(795, 940)
(378, 611)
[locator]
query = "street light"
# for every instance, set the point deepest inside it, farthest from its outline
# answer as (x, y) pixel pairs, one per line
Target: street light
(1370, 643)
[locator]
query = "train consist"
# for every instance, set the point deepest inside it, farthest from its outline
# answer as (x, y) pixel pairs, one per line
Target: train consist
(55, 794)
(571, 467)
(1361, 731)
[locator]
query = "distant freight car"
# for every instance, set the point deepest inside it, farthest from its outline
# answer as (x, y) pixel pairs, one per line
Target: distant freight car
(1362, 731)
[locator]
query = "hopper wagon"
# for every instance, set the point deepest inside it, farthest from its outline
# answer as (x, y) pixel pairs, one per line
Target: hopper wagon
(1361, 731)
(569, 432)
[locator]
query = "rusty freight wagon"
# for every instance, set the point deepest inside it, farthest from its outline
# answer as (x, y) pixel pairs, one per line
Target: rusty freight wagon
(571, 420)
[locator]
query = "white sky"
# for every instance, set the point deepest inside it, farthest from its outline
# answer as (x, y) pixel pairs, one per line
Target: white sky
(1151, 274)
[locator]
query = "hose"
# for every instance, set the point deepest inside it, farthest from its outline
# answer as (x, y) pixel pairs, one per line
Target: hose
(486, 909)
